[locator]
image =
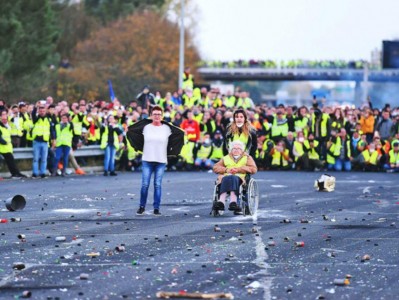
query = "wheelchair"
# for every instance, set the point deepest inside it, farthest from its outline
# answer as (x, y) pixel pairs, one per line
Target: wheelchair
(248, 198)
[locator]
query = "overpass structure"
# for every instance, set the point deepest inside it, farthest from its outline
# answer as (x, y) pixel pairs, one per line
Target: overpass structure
(289, 74)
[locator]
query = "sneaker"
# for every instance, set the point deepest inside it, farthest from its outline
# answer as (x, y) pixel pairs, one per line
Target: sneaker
(43, 176)
(218, 205)
(80, 172)
(141, 211)
(35, 176)
(113, 174)
(157, 212)
(233, 206)
(238, 211)
(105, 173)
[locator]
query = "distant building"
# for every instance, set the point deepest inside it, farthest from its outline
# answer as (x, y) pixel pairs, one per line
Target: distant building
(376, 59)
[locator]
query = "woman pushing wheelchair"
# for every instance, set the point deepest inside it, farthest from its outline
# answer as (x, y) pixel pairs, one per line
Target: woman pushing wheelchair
(233, 170)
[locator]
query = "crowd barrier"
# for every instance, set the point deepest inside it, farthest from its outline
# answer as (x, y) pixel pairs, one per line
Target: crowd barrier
(92, 150)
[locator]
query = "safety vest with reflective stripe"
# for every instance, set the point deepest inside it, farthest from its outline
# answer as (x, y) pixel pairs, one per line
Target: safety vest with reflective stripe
(312, 154)
(78, 124)
(372, 159)
(230, 163)
(230, 101)
(279, 160)
(6, 136)
(204, 152)
(16, 129)
(279, 130)
(187, 152)
(323, 124)
(393, 157)
(217, 103)
(104, 139)
(213, 128)
(299, 149)
(64, 136)
(28, 125)
(188, 81)
(244, 103)
(334, 151)
(267, 146)
(240, 137)
(217, 152)
(93, 137)
(189, 101)
(204, 102)
(41, 128)
(302, 125)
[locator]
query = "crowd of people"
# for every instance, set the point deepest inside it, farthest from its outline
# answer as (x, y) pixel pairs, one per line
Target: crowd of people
(289, 64)
(320, 137)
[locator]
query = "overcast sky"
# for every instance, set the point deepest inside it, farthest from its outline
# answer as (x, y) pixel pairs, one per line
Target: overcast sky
(291, 29)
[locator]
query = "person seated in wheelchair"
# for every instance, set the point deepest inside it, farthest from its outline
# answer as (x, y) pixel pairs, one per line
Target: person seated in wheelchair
(232, 170)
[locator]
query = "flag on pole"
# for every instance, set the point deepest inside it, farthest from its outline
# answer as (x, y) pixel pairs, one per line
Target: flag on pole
(111, 91)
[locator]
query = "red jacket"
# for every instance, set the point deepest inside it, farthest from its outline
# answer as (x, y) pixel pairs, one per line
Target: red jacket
(192, 130)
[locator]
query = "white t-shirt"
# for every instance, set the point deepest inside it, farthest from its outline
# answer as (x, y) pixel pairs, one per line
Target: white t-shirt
(156, 143)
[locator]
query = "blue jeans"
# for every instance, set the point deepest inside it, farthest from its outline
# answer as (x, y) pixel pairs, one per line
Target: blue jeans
(148, 169)
(388, 167)
(345, 164)
(339, 164)
(109, 158)
(40, 152)
(208, 163)
(61, 151)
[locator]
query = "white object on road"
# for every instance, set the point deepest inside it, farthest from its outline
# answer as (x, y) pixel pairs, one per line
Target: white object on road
(326, 183)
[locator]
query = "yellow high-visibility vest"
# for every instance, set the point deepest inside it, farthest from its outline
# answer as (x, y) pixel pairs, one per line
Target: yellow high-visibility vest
(230, 163)
(6, 136)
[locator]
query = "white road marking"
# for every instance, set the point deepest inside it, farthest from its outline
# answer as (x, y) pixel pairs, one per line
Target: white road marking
(330, 249)
(362, 181)
(265, 281)
(182, 209)
(366, 190)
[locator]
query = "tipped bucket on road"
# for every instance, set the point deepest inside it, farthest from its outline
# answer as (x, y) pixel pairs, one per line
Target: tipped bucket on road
(15, 203)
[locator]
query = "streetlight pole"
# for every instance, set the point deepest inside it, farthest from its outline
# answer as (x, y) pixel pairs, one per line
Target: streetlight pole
(181, 50)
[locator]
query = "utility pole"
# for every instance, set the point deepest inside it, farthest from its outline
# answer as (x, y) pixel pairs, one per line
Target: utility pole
(181, 50)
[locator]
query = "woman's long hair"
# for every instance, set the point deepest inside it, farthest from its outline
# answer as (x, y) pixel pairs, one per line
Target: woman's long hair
(246, 128)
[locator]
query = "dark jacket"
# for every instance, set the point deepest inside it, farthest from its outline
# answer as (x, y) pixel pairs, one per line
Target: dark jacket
(250, 147)
(136, 137)
(145, 99)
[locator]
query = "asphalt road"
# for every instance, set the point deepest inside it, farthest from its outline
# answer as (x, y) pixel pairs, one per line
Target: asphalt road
(250, 257)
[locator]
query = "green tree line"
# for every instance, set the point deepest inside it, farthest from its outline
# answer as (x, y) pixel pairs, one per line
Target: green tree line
(69, 49)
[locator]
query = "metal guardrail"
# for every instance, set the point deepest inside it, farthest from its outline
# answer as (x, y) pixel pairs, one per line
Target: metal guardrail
(92, 150)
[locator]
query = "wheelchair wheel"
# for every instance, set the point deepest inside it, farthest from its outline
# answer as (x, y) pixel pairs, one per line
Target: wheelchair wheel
(214, 212)
(252, 198)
